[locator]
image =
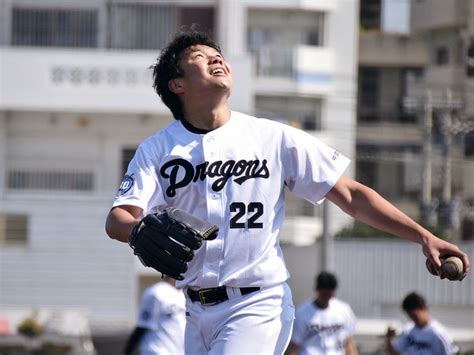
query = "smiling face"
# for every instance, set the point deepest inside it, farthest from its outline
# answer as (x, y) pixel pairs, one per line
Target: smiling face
(204, 71)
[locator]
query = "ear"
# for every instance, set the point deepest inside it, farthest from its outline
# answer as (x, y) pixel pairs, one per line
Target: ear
(176, 86)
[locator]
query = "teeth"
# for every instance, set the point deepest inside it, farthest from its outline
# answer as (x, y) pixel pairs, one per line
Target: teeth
(220, 71)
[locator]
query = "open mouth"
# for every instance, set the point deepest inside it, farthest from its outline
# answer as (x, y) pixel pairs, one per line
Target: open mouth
(218, 71)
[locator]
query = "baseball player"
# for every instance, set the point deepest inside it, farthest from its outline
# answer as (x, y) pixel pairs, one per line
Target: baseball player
(232, 170)
(324, 325)
(161, 321)
(425, 336)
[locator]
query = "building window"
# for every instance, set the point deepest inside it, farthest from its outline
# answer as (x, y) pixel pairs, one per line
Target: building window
(369, 94)
(13, 229)
(150, 26)
(441, 55)
(469, 144)
(54, 27)
(202, 18)
(50, 180)
(394, 171)
(127, 155)
(273, 34)
(285, 28)
(470, 60)
(370, 14)
(300, 112)
(412, 82)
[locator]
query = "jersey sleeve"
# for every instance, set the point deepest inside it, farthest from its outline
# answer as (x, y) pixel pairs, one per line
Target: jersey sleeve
(350, 325)
(400, 344)
(445, 343)
(149, 312)
(311, 167)
(299, 328)
(140, 186)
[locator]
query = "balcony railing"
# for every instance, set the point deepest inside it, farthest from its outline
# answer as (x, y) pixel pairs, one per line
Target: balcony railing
(40, 180)
(118, 25)
(395, 114)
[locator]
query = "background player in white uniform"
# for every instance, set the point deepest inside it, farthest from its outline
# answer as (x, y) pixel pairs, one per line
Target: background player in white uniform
(232, 169)
(161, 321)
(324, 325)
(425, 336)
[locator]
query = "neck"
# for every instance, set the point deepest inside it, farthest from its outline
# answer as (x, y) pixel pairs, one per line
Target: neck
(423, 322)
(207, 116)
(321, 303)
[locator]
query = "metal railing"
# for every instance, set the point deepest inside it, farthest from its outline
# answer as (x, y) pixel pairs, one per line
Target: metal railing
(29, 179)
(54, 27)
(117, 25)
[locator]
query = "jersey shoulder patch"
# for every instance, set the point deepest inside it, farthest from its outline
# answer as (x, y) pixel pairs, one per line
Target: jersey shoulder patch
(126, 184)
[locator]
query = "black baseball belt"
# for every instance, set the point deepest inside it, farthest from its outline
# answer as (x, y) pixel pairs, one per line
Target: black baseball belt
(215, 295)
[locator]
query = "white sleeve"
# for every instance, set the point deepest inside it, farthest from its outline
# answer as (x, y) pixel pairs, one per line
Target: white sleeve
(400, 344)
(299, 328)
(446, 345)
(149, 313)
(311, 167)
(351, 322)
(140, 186)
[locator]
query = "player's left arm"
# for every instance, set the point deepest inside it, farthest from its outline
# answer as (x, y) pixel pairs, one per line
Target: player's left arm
(366, 205)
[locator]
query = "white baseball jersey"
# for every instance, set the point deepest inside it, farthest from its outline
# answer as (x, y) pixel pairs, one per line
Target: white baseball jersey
(233, 176)
(162, 313)
(323, 331)
(433, 339)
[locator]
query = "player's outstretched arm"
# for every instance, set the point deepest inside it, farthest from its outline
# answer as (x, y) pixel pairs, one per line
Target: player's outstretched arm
(366, 205)
(121, 220)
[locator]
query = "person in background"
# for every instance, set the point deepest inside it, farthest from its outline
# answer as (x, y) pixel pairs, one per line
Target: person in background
(161, 321)
(323, 324)
(425, 336)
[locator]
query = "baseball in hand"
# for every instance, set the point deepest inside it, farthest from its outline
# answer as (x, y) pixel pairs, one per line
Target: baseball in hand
(452, 268)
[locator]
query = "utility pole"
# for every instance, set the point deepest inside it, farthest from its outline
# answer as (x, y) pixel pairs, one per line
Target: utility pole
(327, 244)
(449, 210)
(447, 148)
(427, 208)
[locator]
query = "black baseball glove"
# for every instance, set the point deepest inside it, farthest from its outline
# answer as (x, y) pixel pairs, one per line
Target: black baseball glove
(166, 241)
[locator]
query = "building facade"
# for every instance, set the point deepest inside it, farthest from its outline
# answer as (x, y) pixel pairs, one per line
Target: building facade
(447, 28)
(414, 133)
(76, 100)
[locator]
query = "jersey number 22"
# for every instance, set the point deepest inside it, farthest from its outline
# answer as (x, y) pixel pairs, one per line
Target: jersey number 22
(254, 210)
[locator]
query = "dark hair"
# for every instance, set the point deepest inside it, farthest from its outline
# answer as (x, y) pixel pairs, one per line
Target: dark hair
(413, 301)
(167, 67)
(325, 281)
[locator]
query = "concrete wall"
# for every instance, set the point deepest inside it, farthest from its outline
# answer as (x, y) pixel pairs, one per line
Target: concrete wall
(426, 15)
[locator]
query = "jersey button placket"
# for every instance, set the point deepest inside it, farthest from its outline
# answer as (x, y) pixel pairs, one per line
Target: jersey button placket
(213, 250)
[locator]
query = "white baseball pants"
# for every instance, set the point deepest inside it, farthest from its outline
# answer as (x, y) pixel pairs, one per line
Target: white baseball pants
(257, 323)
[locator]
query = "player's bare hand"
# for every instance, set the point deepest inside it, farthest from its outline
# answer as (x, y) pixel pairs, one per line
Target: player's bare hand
(390, 334)
(435, 249)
